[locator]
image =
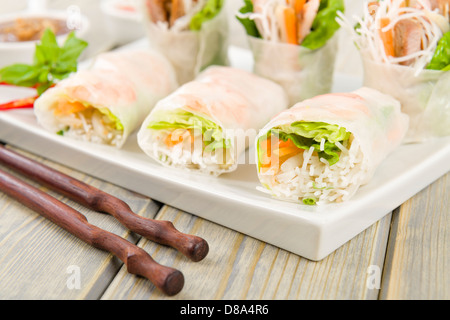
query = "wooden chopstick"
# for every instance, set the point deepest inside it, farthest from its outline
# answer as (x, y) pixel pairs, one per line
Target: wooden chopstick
(138, 262)
(163, 232)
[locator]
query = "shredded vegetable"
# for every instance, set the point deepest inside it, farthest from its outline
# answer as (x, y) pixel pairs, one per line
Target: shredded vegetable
(310, 23)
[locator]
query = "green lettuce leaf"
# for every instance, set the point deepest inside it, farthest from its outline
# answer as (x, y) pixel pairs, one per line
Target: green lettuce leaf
(441, 57)
(213, 137)
(324, 25)
(249, 24)
(117, 123)
(209, 11)
(310, 134)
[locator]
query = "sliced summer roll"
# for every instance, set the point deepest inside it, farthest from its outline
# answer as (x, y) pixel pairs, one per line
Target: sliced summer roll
(323, 149)
(203, 125)
(108, 102)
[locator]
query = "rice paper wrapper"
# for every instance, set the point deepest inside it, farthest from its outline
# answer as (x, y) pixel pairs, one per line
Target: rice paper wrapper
(302, 72)
(239, 102)
(375, 120)
(190, 52)
(151, 73)
(128, 84)
(424, 97)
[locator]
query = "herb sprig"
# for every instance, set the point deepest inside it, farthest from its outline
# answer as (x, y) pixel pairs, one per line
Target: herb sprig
(51, 64)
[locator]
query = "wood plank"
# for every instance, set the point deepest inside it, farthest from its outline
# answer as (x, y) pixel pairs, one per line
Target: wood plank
(418, 257)
(36, 256)
(241, 267)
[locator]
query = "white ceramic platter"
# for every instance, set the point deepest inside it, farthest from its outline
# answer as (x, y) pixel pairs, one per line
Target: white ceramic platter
(232, 200)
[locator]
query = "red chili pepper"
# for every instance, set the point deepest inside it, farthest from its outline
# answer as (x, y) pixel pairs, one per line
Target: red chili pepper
(25, 103)
(19, 104)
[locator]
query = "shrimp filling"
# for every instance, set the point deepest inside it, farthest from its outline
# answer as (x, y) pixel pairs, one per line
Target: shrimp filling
(83, 121)
(183, 139)
(311, 162)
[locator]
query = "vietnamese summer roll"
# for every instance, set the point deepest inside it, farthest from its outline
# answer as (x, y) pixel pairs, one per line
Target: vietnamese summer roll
(192, 34)
(323, 149)
(203, 126)
(405, 50)
(109, 101)
(294, 43)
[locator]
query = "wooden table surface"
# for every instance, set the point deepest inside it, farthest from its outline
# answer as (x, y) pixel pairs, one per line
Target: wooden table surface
(403, 256)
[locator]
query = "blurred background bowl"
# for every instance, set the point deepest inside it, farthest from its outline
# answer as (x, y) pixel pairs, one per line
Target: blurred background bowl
(123, 20)
(13, 50)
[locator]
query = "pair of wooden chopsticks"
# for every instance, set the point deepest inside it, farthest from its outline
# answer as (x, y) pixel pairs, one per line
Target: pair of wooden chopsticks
(138, 262)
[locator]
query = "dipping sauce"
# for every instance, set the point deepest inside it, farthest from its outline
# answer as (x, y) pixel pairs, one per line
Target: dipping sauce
(31, 29)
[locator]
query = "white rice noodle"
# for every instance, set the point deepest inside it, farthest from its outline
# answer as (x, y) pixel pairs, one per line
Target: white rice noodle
(92, 126)
(316, 178)
(191, 157)
(269, 23)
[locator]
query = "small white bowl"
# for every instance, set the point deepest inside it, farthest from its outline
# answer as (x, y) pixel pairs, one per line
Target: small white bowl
(123, 19)
(23, 51)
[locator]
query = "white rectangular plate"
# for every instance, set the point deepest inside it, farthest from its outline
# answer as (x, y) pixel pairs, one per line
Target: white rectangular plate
(232, 200)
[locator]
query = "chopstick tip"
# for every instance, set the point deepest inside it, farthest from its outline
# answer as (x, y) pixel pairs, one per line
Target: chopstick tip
(199, 251)
(174, 283)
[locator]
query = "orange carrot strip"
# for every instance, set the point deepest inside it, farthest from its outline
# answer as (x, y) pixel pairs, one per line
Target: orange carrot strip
(387, 38)
(286, 151)
(298, 6)
(65, 107)
(286, 144)
(175, 138)
(169, 141)
(291, 25)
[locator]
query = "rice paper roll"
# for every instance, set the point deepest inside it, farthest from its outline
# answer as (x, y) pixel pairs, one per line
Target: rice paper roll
(405, 48)
(323, 149)
(302, 72)
(108, 102)
(422, 96)
(293, 43)
(193, 35)
(204, 125)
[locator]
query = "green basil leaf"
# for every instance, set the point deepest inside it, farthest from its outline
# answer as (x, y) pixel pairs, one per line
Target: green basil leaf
(20, 75)
(43, 87)
(72, 49)
(48, 50)
(51, 63)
